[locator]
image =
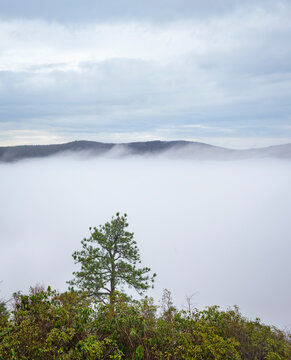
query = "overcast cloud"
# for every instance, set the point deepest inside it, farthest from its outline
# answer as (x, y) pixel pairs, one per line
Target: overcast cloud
(216, 71)
(76, 11)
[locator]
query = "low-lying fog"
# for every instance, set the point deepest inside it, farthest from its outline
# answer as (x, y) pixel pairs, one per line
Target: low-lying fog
(221, 229)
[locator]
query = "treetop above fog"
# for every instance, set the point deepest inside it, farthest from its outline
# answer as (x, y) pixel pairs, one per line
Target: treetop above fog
(110, 258)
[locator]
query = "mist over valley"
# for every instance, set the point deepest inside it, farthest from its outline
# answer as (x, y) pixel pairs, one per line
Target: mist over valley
(219, 229)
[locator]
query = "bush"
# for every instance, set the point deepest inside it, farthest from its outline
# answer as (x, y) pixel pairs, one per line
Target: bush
(47, 325)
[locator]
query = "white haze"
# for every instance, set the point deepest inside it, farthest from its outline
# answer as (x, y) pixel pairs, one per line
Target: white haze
(221, 229)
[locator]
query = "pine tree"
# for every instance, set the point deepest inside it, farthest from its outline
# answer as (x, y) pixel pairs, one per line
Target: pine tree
(108, 259)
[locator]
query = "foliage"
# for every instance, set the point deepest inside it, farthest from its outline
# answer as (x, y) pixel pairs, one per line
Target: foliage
(47, 325)
(4, 314)
(109, 258)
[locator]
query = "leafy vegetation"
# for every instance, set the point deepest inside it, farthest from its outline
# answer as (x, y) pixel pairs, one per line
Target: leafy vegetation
(84, 325)
(48, 325)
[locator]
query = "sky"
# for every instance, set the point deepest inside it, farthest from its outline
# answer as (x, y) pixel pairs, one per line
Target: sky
(117, 71)
(219, 230)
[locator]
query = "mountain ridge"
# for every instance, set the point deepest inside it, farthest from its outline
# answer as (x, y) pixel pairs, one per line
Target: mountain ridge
(175, 148)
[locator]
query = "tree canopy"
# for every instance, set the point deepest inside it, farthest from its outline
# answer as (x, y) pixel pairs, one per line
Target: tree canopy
(108, 259)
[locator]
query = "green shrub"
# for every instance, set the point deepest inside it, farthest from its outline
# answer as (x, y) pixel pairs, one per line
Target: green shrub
(47, 325)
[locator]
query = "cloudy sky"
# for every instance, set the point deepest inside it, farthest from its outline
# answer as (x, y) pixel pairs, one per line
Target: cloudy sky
(129, 70)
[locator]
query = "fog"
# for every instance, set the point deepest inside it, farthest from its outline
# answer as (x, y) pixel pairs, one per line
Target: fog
(218, 229)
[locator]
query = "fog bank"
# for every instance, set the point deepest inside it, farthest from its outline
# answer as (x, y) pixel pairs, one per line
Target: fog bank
(221, 229)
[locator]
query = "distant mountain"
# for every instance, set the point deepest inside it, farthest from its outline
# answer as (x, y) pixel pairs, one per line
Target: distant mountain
(173, 149)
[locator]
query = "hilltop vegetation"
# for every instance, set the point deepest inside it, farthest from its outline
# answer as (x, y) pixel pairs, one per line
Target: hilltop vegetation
(48, 325)
(97, 321)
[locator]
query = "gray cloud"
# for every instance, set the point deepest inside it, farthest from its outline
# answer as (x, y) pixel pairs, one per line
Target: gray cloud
(106, 10)
(224, 75)
(134, 95)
